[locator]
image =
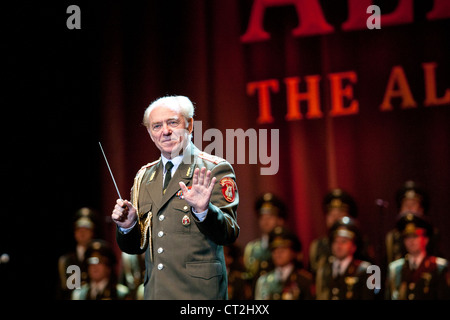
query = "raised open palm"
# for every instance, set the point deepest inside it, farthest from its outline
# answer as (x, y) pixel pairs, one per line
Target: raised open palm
(199, 195)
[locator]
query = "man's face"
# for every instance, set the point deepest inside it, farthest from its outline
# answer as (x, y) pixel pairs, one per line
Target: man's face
(416, 243)
(342, 247)
(268, 222)
(83, 235)
(98, 272)
(412, 205)
(169, 130)
(282, 256)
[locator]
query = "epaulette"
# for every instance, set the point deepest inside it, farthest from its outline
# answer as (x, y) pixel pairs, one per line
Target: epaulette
(305, 274)
(396, 264)
(441, 262)
(210, 157)
(148, 165)
(363, 265)
(122, 290)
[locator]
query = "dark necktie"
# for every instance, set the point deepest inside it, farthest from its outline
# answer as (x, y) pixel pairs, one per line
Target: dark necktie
(169, 166)
(337, 270)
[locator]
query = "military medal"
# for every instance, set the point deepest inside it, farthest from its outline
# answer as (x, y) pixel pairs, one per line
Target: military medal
(180, 193)
(186, 221)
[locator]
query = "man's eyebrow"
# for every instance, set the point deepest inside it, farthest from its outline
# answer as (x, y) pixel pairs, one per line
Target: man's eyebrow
(168, 119)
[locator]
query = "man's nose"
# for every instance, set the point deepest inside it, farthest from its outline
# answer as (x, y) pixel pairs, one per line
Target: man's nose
(166, 130)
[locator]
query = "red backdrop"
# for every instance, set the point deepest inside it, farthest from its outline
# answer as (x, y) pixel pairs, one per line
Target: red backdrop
(357, 108)
(368, 137)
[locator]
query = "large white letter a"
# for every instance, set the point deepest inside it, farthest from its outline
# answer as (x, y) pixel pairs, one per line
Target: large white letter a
(74, 21)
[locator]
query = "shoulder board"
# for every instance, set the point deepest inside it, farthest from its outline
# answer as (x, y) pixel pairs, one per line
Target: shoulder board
(211, 158)
(151, 164)
(148, 165)
(363, 265)
(441, 262)
(305, 274)
(122, 290)
(396, 264)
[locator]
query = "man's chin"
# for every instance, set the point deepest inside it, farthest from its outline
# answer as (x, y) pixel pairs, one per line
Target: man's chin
(173, 152)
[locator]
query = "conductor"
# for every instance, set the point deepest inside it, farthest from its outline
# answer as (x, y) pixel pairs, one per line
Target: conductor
(182, 210)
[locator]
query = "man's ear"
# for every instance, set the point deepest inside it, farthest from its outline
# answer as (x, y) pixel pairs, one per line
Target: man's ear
(190, 126)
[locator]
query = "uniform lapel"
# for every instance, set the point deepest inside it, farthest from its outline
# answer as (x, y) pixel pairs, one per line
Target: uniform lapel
(184, 173)
(154, 185)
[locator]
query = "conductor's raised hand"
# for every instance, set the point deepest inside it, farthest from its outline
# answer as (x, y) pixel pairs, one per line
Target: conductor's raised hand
(124, 214)
(199, 195)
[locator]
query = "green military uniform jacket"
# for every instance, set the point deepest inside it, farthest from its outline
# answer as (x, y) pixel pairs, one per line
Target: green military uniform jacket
(351, 285)
(257, 258)
(299, 285)
(318, 250)
(430, 281)
(395, 249)
(184, 257)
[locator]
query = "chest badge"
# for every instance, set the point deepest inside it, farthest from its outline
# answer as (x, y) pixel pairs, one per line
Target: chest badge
(186, 220)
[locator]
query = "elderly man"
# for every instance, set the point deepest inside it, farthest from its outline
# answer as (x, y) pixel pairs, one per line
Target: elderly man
(182, 210)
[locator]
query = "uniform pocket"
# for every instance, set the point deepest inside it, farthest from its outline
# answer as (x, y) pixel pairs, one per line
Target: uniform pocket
(182, 216)
(204, 270)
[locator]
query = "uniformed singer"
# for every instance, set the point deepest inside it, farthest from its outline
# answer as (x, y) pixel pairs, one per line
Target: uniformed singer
(182, 210)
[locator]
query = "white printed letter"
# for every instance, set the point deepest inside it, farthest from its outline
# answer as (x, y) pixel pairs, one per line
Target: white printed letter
(74, 21)
(374, 281)
(74, 281)
(374, 21)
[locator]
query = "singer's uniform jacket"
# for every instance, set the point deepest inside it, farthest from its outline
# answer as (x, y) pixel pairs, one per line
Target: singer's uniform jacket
(351, 285)
(183, 256)
(297, 286)
(430, 281)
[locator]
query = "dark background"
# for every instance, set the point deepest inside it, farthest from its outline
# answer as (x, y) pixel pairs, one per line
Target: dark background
(66, 90)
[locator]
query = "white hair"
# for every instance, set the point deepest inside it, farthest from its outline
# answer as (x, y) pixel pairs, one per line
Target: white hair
(180, 104)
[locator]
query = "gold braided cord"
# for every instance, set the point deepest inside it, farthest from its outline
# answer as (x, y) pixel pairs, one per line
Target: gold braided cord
(145, 224)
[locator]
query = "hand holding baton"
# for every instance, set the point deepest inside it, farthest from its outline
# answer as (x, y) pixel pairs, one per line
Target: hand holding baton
(119, 216)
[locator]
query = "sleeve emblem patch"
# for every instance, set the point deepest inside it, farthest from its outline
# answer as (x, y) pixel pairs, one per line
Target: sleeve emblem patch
(228, 189)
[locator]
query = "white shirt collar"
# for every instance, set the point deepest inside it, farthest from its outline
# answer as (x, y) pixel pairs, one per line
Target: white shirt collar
(176, 162)
(343, 264)
(418, 259)
(264, 241)
(80, 252)
(98, 287)
(284, 271)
